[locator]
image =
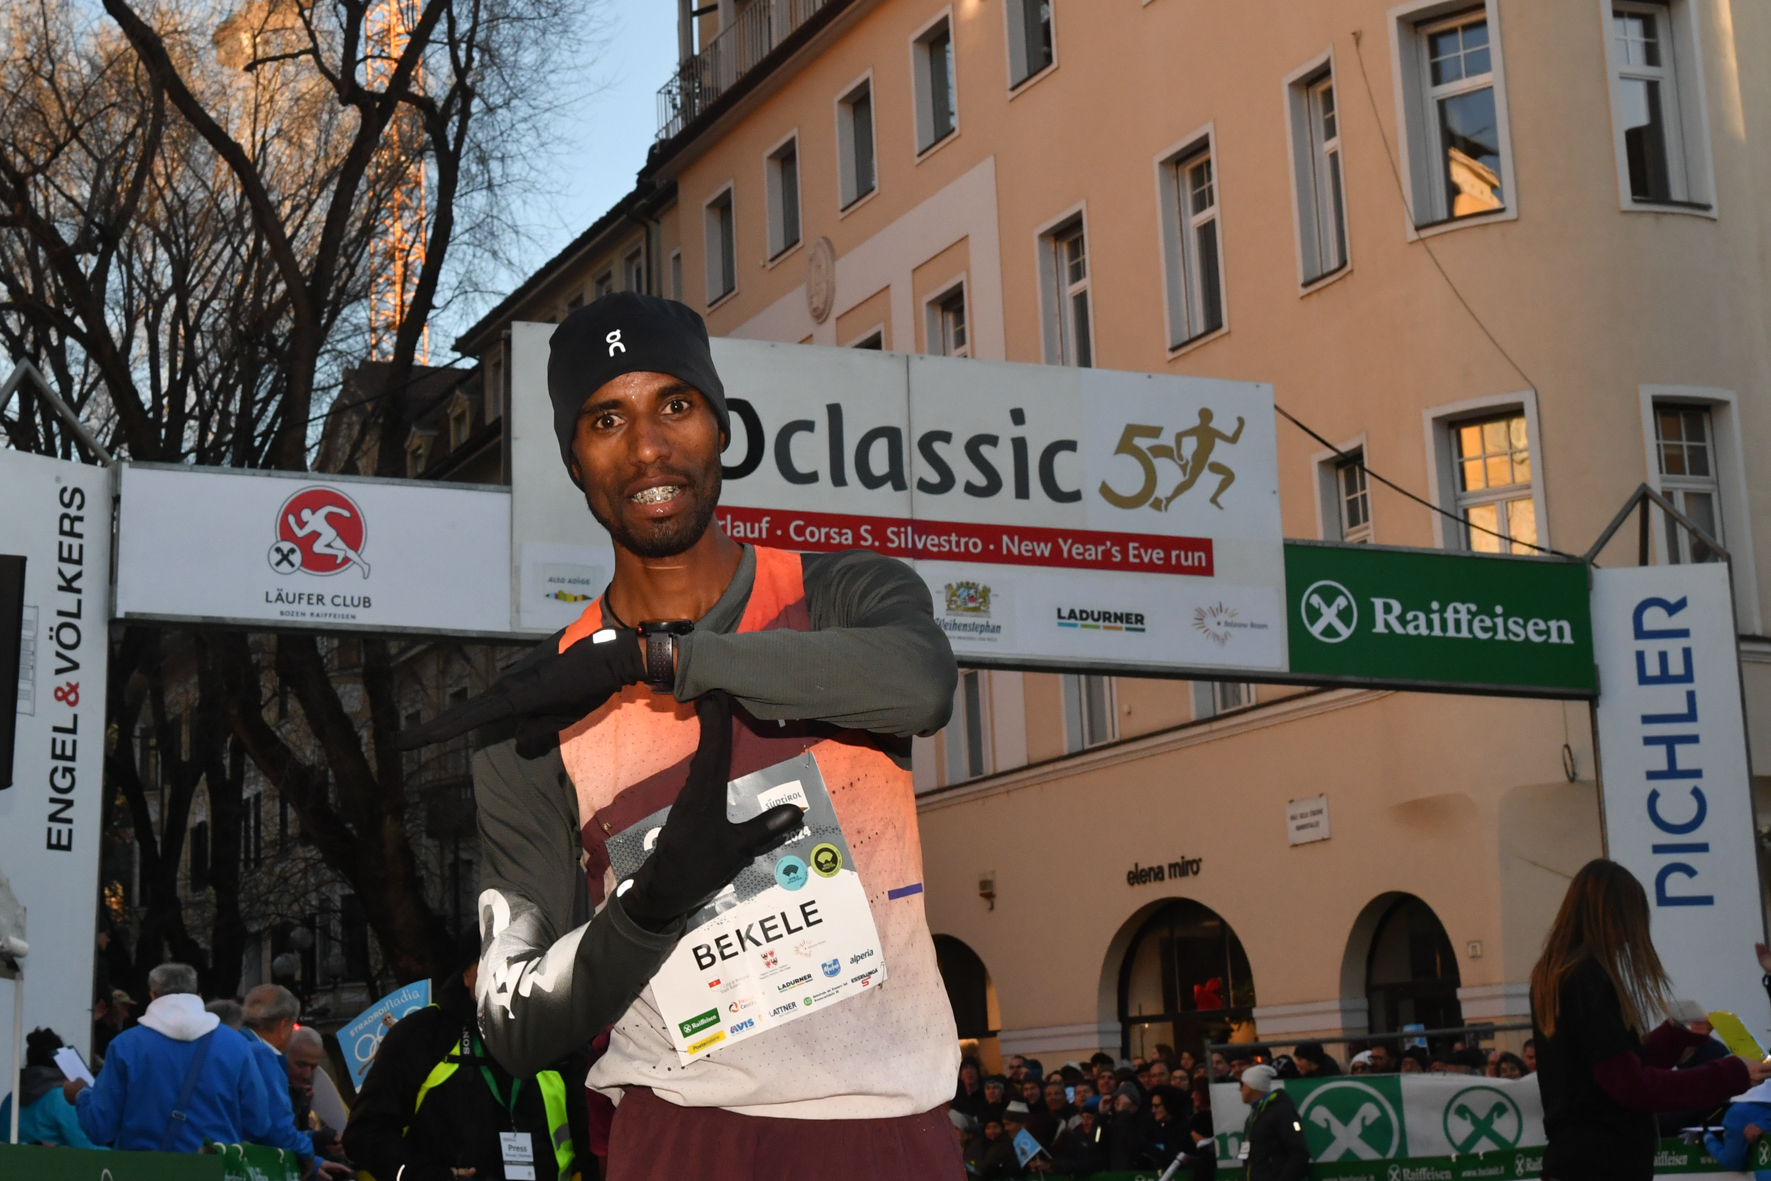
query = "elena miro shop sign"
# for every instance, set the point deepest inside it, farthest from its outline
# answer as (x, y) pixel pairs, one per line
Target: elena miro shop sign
(1143, 875)
(1365, 614)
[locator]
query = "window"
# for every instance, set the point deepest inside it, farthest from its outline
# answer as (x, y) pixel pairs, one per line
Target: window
(418, 451)
(605, 283)
(1069, 329)
(931, 58)
(783, 190)
(576, 302)
(966, 739)
(1029, 38)
(1321, 201)
(1196, 285)
(1211, 698)
(1684, 443)
(676, 274)
(873, 340)
(854, 133)
(252, 832)
(633, 270)
(199, 842)
(1456, 163)
(460, 421)
(1353, 499)
(1661, 139)
(1089, 717)
(1494, 493)
(722, 259)
(946, 324)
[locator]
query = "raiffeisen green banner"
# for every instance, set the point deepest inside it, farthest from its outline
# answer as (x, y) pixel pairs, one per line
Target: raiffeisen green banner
(1427, 619)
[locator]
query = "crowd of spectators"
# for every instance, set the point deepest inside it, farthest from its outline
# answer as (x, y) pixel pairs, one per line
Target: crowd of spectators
(1106, 1115)
(183, 1074)
(1085, 1117)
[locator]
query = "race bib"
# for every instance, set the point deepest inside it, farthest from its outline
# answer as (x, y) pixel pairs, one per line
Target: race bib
(791, 934)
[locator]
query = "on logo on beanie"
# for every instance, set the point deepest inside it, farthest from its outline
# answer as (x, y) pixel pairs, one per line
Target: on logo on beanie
(627, 332)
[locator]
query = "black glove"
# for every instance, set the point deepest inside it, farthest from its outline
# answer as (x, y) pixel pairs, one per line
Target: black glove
(699, 851)
(544, 697)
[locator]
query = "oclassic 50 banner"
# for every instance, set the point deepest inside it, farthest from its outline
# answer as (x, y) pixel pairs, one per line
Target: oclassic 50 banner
(1673, 760)
(310, 550)
(58, 517)
(1061, 517)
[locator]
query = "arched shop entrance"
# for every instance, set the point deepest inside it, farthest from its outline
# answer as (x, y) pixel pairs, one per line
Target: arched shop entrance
(973, 997)
(1184, 981)
(1411, 971)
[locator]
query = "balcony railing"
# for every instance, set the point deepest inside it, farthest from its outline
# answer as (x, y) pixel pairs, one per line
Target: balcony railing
(737, 50)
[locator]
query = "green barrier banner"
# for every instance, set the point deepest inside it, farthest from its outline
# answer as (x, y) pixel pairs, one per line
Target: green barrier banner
(83, 1164)
(225, 1162)
(1366, 614)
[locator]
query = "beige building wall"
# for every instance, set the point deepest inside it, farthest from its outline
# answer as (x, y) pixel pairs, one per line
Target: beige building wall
(1572, 305)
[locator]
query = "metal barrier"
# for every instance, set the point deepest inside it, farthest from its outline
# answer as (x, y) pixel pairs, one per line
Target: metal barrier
(1479, 1032)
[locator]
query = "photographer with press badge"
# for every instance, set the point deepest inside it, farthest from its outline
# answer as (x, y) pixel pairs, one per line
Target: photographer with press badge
(436, 1106)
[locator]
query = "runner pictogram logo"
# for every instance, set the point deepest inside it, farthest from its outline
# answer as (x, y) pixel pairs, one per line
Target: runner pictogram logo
(1350, 1120)
(319, 531)
(1329, 611)
(1480, 1118)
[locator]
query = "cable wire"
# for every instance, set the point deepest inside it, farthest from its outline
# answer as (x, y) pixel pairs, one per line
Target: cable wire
(1359, 462)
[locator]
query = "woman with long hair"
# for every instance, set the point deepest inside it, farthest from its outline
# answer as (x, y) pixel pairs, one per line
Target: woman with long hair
(1602, 1064)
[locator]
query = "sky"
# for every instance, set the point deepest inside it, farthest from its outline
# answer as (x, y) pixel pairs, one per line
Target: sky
(602, 140)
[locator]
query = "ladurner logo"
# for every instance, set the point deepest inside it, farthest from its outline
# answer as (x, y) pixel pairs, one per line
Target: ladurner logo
(319, 531)
(1093, 619)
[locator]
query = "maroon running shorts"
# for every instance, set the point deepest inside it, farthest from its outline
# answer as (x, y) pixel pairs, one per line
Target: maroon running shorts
(655, 1140)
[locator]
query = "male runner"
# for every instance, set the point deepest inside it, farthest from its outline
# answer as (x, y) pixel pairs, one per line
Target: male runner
(837, 654)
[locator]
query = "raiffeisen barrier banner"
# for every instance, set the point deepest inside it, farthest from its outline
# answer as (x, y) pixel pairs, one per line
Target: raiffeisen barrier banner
(306, 550)
(1064, 518)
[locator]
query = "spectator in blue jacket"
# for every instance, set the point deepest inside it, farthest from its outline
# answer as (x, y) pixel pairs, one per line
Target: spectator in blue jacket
(1747, 1121)
(174, 1051)
(46, 1117)
(270, 1012)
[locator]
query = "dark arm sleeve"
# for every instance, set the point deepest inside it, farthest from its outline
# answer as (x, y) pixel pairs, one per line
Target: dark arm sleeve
(874, 660)
(375, 1135)
(1643, 1088)
(551, 977)
(1663, 1045)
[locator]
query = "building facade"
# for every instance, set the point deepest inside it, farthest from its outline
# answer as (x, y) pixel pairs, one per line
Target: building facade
(1509, 254)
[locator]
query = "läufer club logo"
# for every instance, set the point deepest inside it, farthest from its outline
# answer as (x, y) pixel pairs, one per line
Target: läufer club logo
(319, 530)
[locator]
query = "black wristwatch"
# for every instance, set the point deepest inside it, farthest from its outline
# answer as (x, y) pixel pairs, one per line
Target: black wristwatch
(660, 636)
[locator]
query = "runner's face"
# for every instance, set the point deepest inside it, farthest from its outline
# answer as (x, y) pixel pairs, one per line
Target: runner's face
(646, 452)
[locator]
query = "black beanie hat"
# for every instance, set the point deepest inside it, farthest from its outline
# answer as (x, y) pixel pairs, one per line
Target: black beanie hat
(626, 332)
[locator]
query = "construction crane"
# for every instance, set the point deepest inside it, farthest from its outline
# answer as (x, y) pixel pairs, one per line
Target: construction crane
(396, 253)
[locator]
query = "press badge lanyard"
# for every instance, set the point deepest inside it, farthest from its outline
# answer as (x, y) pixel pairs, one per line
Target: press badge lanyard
(470, 1047)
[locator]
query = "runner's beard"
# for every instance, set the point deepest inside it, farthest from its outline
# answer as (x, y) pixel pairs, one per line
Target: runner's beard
(669, 536)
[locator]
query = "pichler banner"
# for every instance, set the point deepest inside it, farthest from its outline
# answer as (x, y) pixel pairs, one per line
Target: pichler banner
(1066, 518)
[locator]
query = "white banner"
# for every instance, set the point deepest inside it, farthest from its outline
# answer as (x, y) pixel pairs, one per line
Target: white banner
(1673, 761)
(58, 515)
(1059, 516)
(304, 550)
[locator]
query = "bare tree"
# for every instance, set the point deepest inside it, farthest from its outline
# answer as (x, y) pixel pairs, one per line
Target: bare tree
(188, 199)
